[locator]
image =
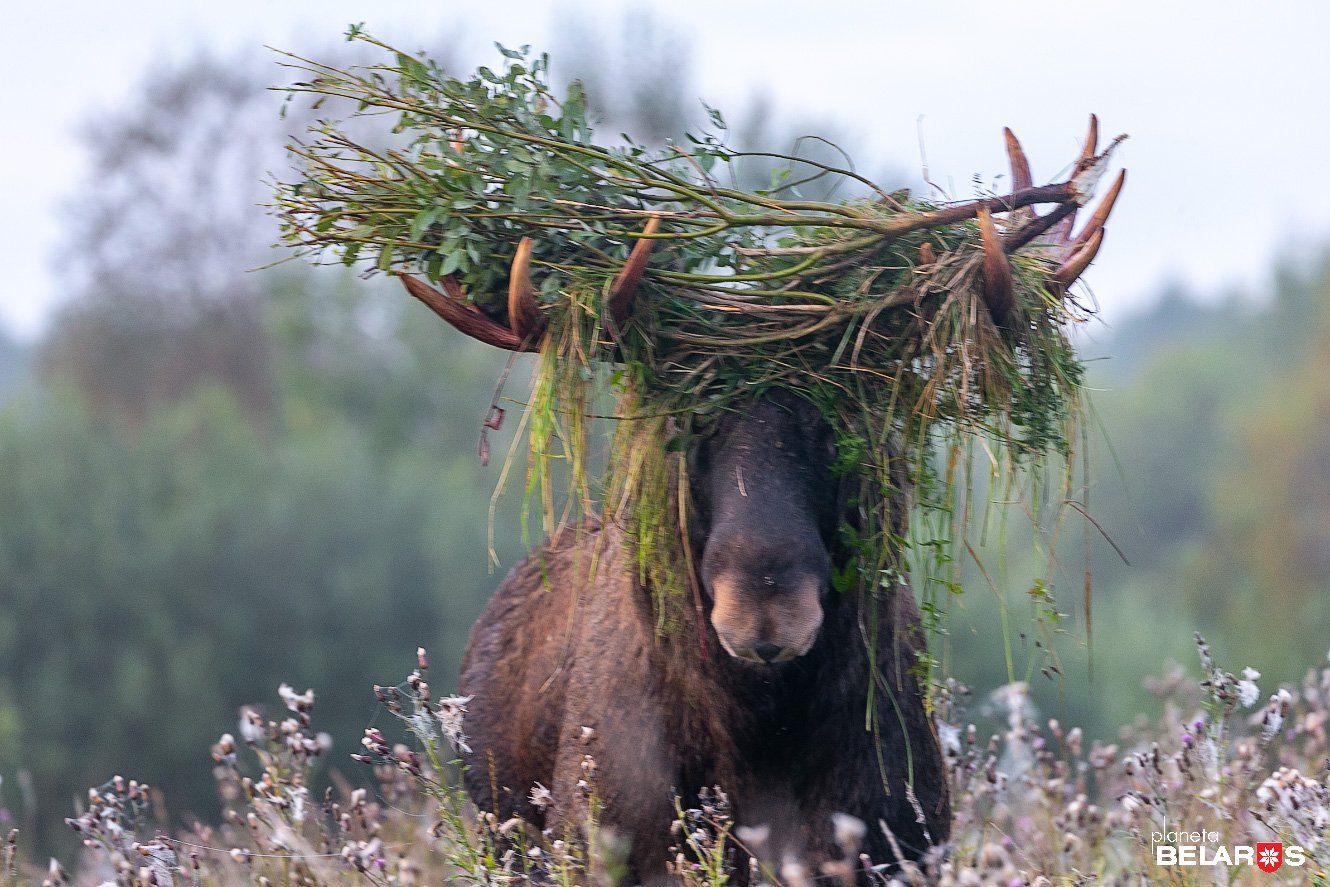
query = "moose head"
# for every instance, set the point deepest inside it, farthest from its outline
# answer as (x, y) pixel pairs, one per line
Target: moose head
(767, 516)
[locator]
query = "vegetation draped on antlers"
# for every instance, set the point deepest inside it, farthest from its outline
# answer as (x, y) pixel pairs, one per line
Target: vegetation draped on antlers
(903, 319)
(1053, 231)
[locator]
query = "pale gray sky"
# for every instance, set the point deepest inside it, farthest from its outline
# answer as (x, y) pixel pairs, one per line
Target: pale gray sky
(1223, 100)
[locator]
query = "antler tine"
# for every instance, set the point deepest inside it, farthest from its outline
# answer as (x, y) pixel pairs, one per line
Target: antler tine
(524, 314)
(1075, 266)
(468, 319)
(1021, 177)
(1062, 233)
(997, 290)
(1101, 212)
(1091, 145)
(626, 281)
(1020, 164)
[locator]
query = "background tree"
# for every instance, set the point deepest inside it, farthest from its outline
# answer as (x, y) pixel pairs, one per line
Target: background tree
(1208, 458)
(224, 479)
(160, 237)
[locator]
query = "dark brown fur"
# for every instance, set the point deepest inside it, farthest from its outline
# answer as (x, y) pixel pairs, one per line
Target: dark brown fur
(559, 649)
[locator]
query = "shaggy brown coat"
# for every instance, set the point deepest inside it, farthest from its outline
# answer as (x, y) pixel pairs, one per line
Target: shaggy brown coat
(766, 697)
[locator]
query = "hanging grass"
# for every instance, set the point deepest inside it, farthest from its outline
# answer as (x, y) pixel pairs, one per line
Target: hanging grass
(924, 350)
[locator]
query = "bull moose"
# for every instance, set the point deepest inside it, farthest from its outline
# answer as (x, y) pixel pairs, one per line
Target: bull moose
(763, 689)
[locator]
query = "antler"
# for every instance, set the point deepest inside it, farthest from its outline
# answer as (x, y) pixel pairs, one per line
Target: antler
(625, 282)
(524, 314)
(1021, 178)
(997, 288)
(466, 317)
(1075, 254)
(526, 319)
(1086, 159)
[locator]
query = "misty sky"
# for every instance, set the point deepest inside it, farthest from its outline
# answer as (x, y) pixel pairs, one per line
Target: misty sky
(1223, 101)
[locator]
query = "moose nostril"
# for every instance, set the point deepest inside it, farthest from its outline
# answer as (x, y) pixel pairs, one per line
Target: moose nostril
(767, 651)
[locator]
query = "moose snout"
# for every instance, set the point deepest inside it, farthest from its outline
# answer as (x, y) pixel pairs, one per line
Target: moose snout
(763, 627)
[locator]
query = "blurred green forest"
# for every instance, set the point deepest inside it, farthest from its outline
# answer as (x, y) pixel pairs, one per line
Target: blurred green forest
(215, 480)
(1209, 469)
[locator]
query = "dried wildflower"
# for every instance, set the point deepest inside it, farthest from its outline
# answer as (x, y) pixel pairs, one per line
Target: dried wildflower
(540, 796)
(297, 702)
(1298, 803)
(224, 752)
(1272, 718)
(250, 726)
(450, 713)
(407, 758)
(753, 837)
(1248, 692)
(849, 832)
(950, 737)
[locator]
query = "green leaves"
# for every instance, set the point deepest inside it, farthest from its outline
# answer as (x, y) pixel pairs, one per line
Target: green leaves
(501, 155)
(423, 220)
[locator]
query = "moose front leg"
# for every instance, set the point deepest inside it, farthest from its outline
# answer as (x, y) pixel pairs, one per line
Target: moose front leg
(617, 772)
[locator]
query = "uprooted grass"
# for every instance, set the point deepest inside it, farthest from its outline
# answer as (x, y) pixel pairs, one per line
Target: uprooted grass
(1034, 803)
(871, 308)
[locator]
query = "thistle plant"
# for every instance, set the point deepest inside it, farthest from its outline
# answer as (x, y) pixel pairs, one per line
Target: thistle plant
(1035, 802)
